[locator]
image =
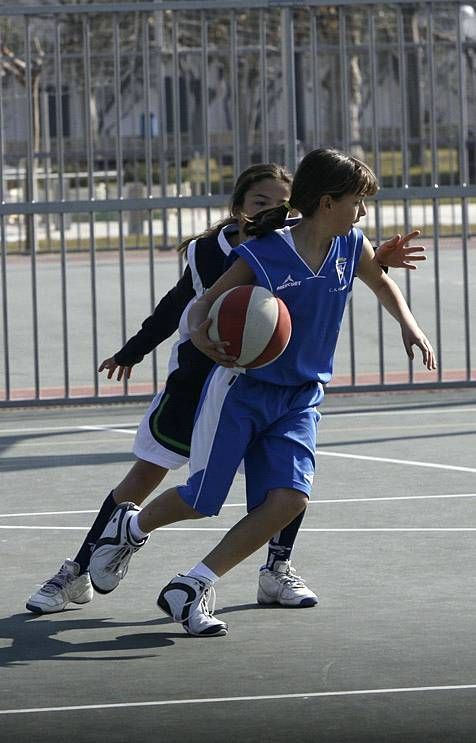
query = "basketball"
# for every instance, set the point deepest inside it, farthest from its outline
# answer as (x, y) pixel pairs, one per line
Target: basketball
(255, 322)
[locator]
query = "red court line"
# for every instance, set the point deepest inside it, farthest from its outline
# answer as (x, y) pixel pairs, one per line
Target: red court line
(146, 388)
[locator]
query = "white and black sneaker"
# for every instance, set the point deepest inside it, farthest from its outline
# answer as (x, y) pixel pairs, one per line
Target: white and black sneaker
(282, 586)
(185, 599)
(112, 553)
(64, 587)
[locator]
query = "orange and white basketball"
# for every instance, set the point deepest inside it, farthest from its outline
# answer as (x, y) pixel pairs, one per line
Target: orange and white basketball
(255, 322)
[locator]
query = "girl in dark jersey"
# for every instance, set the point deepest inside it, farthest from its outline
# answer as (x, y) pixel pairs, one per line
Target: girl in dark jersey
(163, 437)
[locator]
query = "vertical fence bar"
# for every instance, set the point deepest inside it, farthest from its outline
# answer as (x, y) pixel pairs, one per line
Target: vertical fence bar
(177, 119)
(4, 244)
(234, 81)
(163, 171)
(377, 170)
(316, 130)
(120, 175)
(6, 347)
(147, 106)
(289, 88)
(344, 79)
(464, 180)
(149, 165)
(204, 97)
(435, 182)
(31, 219)
(162, 117)
(344, 112)
(61, 196)
(88, 130)
(402, 69)
(263, 57)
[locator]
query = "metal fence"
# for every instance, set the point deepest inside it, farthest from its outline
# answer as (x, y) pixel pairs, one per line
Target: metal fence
(124, 125)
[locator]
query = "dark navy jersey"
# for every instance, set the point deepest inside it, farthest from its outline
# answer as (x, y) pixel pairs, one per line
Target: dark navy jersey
(316, 301)
(206, 262)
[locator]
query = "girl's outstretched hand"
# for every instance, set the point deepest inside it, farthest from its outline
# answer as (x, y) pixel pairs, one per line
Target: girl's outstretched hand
(215, 350)
(395, 252)
(111, 365)
(415, 337)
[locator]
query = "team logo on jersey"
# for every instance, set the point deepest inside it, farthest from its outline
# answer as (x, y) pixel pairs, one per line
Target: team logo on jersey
(288, 281)
(340, 268)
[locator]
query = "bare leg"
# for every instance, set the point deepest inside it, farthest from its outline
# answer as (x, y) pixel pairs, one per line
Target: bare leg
(140, 482)
(279, 509)
(166, 508)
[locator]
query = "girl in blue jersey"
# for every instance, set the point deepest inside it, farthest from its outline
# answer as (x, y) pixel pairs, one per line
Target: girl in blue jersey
(163, 437)
(266, 416)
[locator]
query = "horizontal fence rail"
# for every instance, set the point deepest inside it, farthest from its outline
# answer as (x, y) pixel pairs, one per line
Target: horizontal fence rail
(123, 127)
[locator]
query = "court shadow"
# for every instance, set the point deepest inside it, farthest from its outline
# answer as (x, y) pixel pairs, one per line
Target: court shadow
(248, 607)
(33, 638)
(38, 462)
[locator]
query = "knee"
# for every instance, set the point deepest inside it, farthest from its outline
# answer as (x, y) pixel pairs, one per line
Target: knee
(193, 514)
(292, 502)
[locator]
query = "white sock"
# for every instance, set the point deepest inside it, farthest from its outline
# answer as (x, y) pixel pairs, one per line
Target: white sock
(202, 572)
(136, 532)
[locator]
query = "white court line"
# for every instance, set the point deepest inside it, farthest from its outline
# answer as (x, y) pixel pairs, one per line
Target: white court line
(410, 462)
(129, 425)
(411, 411)
(72, 429)
(257, 698)
(227, 528)
(115, 429)
(243, 505)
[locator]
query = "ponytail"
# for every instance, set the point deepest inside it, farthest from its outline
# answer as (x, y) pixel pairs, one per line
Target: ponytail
(210, 232)
(267, 220)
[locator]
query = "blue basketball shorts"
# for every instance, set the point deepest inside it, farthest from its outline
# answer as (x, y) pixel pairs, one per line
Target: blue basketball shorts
(271, 427)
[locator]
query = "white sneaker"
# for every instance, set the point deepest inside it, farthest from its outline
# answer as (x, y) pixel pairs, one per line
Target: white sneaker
(282, 586)
(64, 587)
(185, 599)
(113, 551)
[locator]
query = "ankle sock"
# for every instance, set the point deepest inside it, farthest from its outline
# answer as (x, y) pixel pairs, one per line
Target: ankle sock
(202, 572)
(135, 531)
(281, 545)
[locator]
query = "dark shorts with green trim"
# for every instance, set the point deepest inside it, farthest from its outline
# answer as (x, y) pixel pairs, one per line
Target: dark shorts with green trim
(165, 432)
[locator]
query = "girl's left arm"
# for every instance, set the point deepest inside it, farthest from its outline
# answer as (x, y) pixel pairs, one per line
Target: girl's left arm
(390, 296)
(395, 253)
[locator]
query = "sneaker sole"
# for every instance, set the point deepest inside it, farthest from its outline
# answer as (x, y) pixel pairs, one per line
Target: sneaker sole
(102, 591)
(304, 604)
(56, 609)
(38, 610)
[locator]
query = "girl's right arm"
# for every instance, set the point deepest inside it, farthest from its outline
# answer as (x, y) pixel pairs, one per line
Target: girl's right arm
(238, 274)
(156, 328)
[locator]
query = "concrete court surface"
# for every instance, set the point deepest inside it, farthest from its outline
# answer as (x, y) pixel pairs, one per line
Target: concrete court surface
(387, 542)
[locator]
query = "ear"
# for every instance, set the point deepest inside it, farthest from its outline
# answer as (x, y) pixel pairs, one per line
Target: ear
(326, 202)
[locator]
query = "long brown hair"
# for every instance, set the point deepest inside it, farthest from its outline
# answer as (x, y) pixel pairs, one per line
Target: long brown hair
(321, 172)
(245, 181)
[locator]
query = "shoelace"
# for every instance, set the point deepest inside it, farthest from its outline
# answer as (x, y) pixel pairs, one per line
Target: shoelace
(209, 594)
(291, 579)
(57, 582)
(123, 556)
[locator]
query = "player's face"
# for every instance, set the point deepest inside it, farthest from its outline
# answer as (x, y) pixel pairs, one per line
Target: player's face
(265, 194)
(348, 210)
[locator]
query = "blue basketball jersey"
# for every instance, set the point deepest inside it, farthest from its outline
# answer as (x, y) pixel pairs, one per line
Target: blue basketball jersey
(316, 301)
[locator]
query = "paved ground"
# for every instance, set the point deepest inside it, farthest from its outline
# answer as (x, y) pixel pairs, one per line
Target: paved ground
(388, 542)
